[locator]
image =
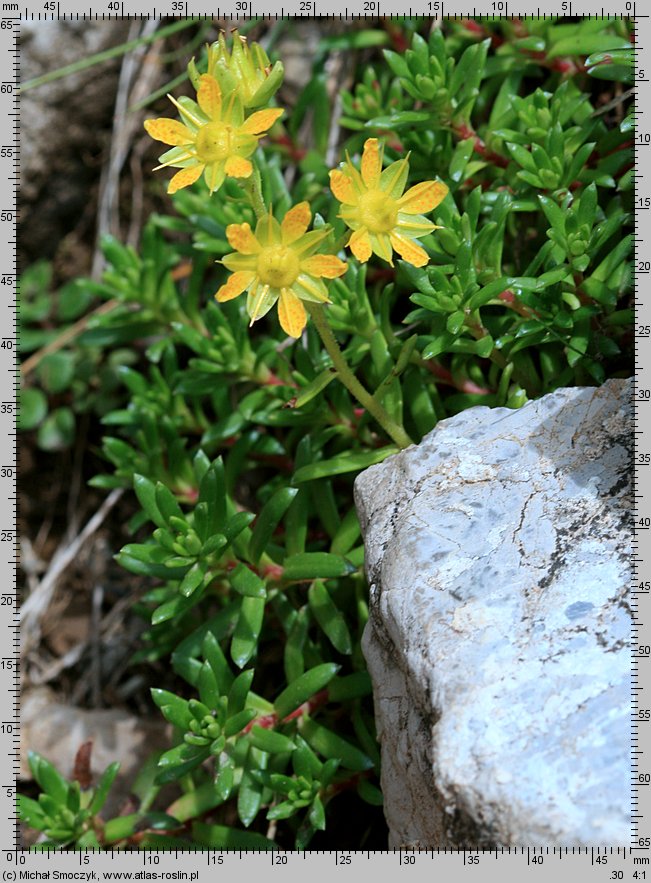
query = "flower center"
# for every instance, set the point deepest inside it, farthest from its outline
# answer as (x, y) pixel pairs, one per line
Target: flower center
(278, 266)
(213, 142)
(378, 211)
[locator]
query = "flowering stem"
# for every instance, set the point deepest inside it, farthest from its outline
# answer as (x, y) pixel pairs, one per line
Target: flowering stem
(254, 192)
(394, 430)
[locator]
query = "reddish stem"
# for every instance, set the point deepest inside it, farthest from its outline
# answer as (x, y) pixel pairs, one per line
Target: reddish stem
(463, 132)
(448, 378)
(269, 721)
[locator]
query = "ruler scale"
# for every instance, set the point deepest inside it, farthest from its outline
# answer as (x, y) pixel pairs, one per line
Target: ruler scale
(601, 861)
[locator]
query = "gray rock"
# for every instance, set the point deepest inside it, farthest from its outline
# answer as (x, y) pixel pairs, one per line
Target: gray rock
(498, 555)
(65, 127)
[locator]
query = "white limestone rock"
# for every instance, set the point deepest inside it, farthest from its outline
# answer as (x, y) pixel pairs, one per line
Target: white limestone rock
(498, 556)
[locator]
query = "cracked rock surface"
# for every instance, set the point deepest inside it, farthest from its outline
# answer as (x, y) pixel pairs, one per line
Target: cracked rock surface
(498, 554)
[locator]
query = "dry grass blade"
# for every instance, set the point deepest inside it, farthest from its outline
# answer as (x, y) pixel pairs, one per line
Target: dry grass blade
(34, 608)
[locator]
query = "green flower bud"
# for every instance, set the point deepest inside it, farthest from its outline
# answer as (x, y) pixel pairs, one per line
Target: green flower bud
(246, 69)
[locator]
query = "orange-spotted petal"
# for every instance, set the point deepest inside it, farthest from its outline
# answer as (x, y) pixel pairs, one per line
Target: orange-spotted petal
(184, 178)
(360, 244)
(291, 313)
(235, 285)
(295, 222)
(209, 96)
(241, 238)
(423, 197)
(238, 167)
(343, 188)
(371, 162)
(261, 121)
(169, 132)
(324, 265)
(409, 250)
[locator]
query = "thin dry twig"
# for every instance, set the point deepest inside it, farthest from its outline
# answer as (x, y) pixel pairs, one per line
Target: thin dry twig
(124, 129)
(34, 608)
(96, 645)
(64, 338)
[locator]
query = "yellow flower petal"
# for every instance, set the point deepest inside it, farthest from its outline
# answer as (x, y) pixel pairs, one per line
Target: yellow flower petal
(184, 178)
(360, 244)
(238, 167)
(235, 285)
(291, 313)
(209, 96)
(295, 222)
(371, 162)
(423, 197)
(409, 250)
(261, 121)
(343, 187)
(241, 238)
(169, 132)
(324, 265)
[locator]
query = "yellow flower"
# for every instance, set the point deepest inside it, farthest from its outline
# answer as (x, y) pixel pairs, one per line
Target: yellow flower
(381, 217)
(278, 263)
(214, 138)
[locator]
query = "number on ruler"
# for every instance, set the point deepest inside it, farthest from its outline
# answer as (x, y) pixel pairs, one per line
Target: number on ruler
(50, 6)
(434, 6)
(178, 6)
